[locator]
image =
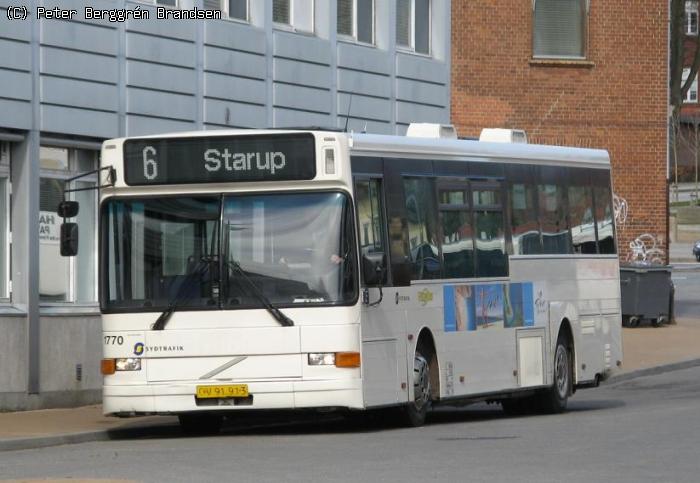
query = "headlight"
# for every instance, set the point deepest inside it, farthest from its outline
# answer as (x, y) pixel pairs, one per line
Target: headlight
(129, 364)
(322, 359)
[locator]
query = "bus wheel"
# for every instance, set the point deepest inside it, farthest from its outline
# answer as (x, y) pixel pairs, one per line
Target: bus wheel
(555, 398)
(416, 410)
(200, 424)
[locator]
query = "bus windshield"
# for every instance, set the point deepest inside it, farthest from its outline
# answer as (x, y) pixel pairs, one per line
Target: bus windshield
(225, 252)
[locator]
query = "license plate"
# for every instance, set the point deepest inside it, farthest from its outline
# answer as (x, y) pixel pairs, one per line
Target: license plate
(228, 390)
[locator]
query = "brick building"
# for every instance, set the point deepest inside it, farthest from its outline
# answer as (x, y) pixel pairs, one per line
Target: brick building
(600, 81)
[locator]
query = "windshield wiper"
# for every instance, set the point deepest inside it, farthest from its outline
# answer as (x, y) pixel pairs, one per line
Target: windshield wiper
(181, 295)
(274, 311)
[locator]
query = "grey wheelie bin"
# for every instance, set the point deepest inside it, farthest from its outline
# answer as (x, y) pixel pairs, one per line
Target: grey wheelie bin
(646, 293)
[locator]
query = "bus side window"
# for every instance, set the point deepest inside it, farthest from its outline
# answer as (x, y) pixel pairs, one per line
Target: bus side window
(422, 228)
(552, 207)
(604, 212)
(581, 211)
(370, 217)
(456, 223)
(525, 227)
(491, 257)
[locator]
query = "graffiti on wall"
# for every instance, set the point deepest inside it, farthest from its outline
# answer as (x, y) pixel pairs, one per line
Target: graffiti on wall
(620, 209)
(645, 249)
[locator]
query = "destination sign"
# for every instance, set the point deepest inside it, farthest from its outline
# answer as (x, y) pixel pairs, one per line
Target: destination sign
(219, 159)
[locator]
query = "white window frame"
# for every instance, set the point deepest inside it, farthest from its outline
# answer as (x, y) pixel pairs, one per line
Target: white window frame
(691, 7)
(688, 98)
(224, 9)
(297, 10)
(71, 288)
(353, 37)
(412, 33)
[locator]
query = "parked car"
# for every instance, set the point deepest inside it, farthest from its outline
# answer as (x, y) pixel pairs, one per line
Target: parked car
(696, 250)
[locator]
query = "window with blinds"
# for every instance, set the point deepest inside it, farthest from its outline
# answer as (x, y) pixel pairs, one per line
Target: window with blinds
(413, 25)
(281, 11)
(356, 19)
(212, 5)
(346, 17)
(237, 9)
(403, 23)
(559, 28)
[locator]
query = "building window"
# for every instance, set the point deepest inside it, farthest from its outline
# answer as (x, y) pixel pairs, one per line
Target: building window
(559, 28)
(413, 25)
(298, 14)
(169, 3)
(237, 9)
(4, 220)
(692, 94)
(356, 19)
(281, 11)
(691, 18)
(63, 279)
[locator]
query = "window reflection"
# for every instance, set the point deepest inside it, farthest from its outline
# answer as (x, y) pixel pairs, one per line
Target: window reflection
(422, 230)
(458, 236)
(581, 218)
(491, 257)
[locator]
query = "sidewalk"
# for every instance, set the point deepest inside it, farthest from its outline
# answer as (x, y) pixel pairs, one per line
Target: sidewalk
(645, 349)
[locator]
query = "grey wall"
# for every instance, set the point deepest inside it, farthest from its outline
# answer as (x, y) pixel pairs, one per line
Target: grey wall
(65, 342)
(84, 81)
(102, 80)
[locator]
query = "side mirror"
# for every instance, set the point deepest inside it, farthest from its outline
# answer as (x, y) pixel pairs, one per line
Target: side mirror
(374, 268)
(68, 209)
(69, 239)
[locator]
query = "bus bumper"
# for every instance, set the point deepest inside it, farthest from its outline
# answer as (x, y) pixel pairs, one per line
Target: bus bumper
(180, 397)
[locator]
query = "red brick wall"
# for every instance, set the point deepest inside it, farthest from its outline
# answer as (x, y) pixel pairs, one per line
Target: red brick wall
(615, 100)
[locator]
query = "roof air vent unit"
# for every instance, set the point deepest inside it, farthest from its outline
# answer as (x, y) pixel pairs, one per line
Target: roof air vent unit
(503, 136)
(428, 130)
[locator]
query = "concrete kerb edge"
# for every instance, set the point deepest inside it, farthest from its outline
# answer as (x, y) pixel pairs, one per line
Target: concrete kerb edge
(105, 435)
(652, 371)
(46, 441)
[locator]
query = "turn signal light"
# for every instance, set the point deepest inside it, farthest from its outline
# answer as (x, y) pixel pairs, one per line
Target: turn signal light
(347, 359)
(108, 366)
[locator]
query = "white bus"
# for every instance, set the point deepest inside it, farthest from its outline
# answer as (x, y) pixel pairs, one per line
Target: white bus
(269, 269)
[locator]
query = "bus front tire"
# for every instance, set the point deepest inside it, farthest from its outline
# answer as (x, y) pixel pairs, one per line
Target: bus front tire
(554, 399)
(416, 410)
(200, 424)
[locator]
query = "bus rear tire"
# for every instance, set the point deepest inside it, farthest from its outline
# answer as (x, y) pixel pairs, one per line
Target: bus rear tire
(200, 424)
(415, 411)
(554, 399)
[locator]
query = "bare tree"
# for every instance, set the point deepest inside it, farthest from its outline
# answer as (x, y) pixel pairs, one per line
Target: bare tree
(678, 88)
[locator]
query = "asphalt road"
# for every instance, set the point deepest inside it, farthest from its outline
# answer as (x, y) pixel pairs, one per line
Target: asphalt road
(645, 429)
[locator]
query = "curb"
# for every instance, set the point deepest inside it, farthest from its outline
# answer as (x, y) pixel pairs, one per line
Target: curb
(46, 441)
(652, 371)
(135, 431)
